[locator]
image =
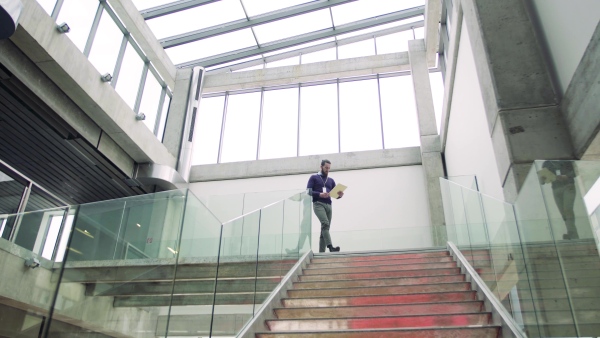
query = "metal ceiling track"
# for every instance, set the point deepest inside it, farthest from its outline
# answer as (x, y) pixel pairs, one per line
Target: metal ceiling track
(305, 38)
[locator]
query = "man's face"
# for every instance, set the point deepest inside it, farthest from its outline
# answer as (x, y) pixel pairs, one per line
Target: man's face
(325, 168)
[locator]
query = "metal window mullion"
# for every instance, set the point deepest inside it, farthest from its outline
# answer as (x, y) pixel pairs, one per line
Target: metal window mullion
(115, 75)
(375, 44)
(115, 17)
(339, 118)
(56, 10)
(161, 102)
(380, 113)
(61, 230)
(260, 118)
(93, 30)
(223, 120)
(299, 121)
(140, 93)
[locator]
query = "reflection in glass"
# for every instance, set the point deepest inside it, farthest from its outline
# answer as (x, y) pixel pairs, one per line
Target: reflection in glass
(150, 100)
(360, 123)
(130, 75)
(279, 124)
(240, 138)
(79, 15)
(208, 130)
(400, 124)
(107, 43)
(318, 120)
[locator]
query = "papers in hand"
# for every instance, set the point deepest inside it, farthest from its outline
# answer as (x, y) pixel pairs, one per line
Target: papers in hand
(546, 176)
(334, 192)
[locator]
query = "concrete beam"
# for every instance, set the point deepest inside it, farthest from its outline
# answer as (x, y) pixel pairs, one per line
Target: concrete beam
(433, 13)
(581, 101)
(305, 164)
(430, 140)
(317, 71)
(60, 60)
(422, 87)
(136, 25)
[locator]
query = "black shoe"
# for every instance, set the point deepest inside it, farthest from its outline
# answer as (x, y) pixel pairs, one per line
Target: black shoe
(333, 248)
(566, 236)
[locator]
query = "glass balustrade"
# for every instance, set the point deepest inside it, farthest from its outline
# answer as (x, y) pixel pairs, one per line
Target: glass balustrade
(539, 256)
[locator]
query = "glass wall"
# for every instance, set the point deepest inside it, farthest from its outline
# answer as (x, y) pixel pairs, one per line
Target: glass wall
(343, 115)
(100, 35)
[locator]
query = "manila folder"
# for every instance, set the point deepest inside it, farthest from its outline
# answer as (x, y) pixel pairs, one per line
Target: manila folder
(334, 191)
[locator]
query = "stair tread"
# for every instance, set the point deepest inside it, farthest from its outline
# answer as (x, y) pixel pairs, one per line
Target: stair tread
(388, 332)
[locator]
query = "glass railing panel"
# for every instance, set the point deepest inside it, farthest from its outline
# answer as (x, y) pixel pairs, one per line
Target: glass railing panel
(119, 267)
(31, 228)
(273, 262)
(507, 275)
(292, 226)
(563, 185)
(236, 279)
(193, 293)
(552, 307)
(448, 210)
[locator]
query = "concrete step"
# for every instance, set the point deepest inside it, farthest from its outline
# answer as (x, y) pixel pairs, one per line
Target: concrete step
(379, 282)
(322, 270)
(446, 320)
(554, 330)
(379, 310)
(537, 283)
(191, 299)
(379, 290)
(432, 297)
(442, 259)
(342, 258)
(438, 332)
(382, 274)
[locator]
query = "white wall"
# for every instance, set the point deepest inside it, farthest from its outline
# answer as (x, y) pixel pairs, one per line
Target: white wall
(381, 198)
(469, 148)
(567, 27)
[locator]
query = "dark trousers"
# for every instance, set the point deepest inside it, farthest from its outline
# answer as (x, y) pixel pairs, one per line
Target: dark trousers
(324, 214)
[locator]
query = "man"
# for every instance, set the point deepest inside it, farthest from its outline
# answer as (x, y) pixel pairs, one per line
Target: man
(321, 184)
(563, 189)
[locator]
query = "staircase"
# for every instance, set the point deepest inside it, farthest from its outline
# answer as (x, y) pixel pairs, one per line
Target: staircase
(416, 294)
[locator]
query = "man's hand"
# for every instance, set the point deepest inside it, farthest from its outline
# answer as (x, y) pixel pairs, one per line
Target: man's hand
(340, 194)
(324, 195)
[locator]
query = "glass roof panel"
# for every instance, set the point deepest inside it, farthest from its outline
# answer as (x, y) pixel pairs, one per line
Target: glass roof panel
(212, 46)
(296, 25)
(145, 4)
(200, 17)
(357, 49)
(256, 7)
(380, 27)
(364, 9)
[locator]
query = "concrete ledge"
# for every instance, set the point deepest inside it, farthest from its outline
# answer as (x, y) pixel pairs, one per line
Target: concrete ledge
(67, 67)
(317, 71)
(306, 164)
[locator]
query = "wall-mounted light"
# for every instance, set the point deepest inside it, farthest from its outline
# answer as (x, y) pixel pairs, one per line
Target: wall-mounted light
(63, 27)
(138, 224)
(106, 77)
(32, 263)
(140, 116)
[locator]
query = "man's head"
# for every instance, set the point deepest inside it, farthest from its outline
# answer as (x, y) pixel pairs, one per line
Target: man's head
(325, 166)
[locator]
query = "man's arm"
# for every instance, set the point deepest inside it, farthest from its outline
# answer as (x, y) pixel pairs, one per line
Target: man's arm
(311, 185)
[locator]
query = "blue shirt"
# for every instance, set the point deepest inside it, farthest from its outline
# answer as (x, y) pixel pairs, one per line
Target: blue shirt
(316, 182)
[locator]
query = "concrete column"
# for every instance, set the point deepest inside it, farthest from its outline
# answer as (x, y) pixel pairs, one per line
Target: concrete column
(182, 118)
(524, 120)
(431, 149)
